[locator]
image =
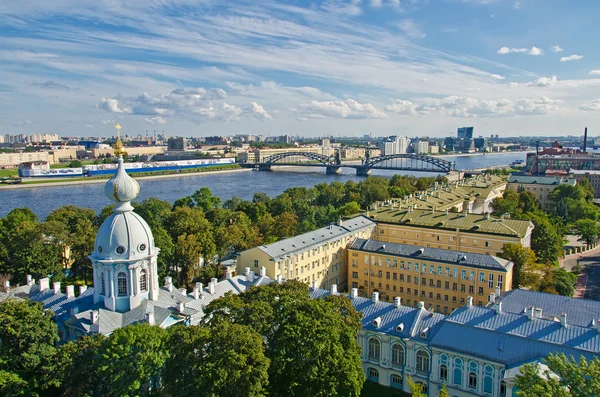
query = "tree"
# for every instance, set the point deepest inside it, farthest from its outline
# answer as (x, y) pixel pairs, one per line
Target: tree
(225, 360)
(521, 257)
(204, 199)
(587, 230)
(348, 209)
(509, 203)
(285, 225)
(415, 388)
(546, 241)
(75, 164)
(373, 189)
(443, 392)
(79, 362)
(563, 378)
(27, 348)
(311, 343)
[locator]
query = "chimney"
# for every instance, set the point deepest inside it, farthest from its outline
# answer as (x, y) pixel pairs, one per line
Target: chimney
(29, 279)
(420, 305)
(563, 319)
(70, 291)
(279, 279)
(354, 293)
(180, 307)
(82, 289)
(150, 318)
(398, 302)
(531, 313)
(340, 222)
(196, 294)
(498, 292)
(250, 276)
(498, 307)
(315, 285)
(200, 289)
(470, 302)
(585, 140)
(538, 312)
(375, 297)
(492, 298)
(182, 291)
(246, 271)
(169, 283)
(596, 324)
(94, 316)
(44, 283)
(263, 271)
(333, 289)
(213, 285)
(56, 287)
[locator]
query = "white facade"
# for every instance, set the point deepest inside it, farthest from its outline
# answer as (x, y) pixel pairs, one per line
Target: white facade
(423, 147)
(394, 145)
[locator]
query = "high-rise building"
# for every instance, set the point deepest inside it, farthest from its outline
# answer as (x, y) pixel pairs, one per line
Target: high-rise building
(465, 133)
(422, 147)
(394, 145)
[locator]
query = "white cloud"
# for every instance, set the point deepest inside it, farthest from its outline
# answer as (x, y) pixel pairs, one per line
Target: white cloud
(530, 51)
(517, 5)
(348, 109)
(49, 84)
(259, 112)
(22, 124)
(455, 106)
(594, 73)
(543, 82)
(556, 48)
(570, 58)
(593, 106)
(112, 105)
(402, 107)
(155, 120)
(107, 122)
(350, 7)
(411, 28)
(89, 126)
(497, 77)
(376, 3)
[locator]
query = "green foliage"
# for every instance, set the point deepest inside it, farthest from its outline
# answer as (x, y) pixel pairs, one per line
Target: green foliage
(558, 281)
(75, 164)
(443, 392)
(563, 378)
(415, 388)
(27, 348)
(523, 258)
(546, 240)
(587, 230)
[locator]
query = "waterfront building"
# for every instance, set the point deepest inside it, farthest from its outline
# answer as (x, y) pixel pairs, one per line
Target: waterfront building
(442, 279)
(474, 195)
(177, 144)
(479, 234)
(465, 133)
(318, 256)
(352, 153)
(394, 145)
(540, 186)
(592, 176)
(12, 160)
(422, 147)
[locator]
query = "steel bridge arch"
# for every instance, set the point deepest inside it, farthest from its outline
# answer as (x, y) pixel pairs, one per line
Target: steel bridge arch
(275, 158)
(437, 163)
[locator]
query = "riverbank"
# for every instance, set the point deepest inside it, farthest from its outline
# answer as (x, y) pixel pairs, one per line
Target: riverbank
(89, 181)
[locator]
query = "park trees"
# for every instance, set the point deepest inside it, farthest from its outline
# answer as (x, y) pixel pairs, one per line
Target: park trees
(587, 230)
(563, 377)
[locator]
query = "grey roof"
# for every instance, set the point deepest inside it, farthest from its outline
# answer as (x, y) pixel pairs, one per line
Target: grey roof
(580, 312)
(432, 254)
(317, 237)
(540, 180)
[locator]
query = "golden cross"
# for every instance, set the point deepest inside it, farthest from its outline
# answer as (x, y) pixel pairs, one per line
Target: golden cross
(119, 146)
(118, 127)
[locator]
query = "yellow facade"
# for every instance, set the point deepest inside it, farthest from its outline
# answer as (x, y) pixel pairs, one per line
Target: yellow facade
(314, 257)
(442, 286)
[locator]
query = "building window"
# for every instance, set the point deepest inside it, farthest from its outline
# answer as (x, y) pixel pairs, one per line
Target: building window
(443, 373)
(373, 374)
(471, 289)
(387, 275)
(487, 244)
(396, 381)
(422, 361)
(472, 380)
(500, 279)
(256, 263)
(454, 287)
(480, 291)
(102, 286)
(374, 348)
(491, 281)
(143, 280)
(397, 354)
(502, 389)
(481, 277)
(354, 274)
(446, 285)
(121, 284)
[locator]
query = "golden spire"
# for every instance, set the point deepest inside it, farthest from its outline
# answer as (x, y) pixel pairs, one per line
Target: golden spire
(119, 145)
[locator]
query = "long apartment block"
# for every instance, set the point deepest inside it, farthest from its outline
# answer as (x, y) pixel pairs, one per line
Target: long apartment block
(442, 279)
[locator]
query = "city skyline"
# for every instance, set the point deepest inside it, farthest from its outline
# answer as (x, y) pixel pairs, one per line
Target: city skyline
(310, 68)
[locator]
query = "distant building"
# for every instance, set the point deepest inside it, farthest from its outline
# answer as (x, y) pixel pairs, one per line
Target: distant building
(480, 143)
(422, 147)
(314, 257)
(11, 160)
(216, 140)
(394, 145)
(176, 144)
(442, 279)
(540, 186)
(434, 149)
(465, 133)
(450, 144)
(325, 142)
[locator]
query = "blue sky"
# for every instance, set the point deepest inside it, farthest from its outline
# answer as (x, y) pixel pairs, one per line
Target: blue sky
(349, 67)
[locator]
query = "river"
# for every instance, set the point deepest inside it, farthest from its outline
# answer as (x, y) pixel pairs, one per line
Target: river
(43, 200)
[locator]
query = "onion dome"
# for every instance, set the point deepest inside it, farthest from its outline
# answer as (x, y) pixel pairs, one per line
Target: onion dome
(122, 189)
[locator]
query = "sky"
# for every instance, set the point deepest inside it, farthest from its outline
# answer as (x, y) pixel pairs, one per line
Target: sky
(312, 68)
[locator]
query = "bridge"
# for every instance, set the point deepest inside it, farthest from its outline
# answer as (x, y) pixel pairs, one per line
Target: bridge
(333, 164)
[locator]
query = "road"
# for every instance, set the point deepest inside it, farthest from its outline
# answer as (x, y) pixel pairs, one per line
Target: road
(588, 283)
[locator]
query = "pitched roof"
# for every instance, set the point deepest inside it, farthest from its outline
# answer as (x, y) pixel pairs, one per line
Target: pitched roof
(316, 238)
(472, 223)
(541, 180)
(432, 254)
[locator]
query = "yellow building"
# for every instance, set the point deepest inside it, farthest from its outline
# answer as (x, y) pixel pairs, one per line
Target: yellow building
(477, 233)
(314, 257)
(441, 278)
(540, 186)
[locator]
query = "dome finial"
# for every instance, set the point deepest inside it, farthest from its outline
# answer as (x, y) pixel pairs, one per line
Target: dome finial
(121, 188)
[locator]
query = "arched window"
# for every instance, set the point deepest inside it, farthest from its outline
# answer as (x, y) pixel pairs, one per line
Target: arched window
(472, 380)
(443, 373)
(422, 361)
(373, 374)
(502, 389)
(121, 284)
(396, 381)
(143, 280)
(397, 354)
(374, 348)
(102, 287)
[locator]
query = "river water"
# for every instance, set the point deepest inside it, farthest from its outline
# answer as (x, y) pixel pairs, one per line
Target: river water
(43, 200)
